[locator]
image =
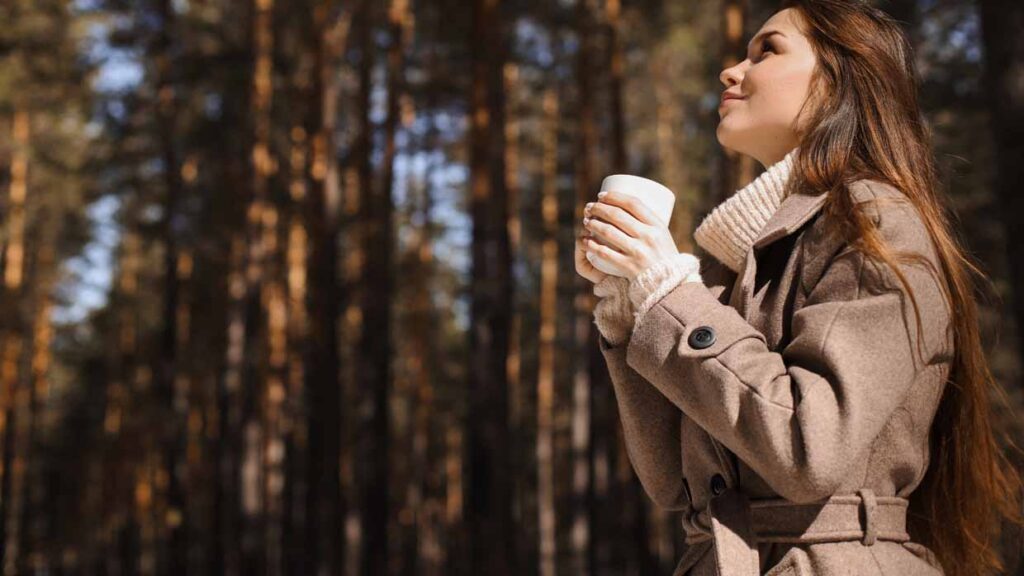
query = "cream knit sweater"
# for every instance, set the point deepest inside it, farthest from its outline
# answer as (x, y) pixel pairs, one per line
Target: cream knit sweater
(727, 233)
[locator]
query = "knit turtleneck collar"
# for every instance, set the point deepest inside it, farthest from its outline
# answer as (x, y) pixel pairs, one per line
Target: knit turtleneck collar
(728, 231)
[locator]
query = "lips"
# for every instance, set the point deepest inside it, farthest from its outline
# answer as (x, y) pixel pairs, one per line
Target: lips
(727, 97)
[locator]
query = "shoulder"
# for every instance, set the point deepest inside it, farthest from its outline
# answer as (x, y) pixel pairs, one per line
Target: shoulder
(898, 224)
(905, 231)
(898, 220)
(890, 209)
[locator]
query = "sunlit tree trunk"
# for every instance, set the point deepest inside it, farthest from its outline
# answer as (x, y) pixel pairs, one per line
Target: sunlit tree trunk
(14, 381)
(521, 411)
(296, 436)
(263, 165)
(32, 524)
(12, 331)
(14, 256)
(355, 171)
(225, 557)
(547, 339)
(587, 363)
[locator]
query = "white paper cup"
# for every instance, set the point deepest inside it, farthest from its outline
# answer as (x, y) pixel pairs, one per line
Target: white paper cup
(654, 195)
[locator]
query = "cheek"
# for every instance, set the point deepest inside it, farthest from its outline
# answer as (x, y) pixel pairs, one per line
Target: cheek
(777, 94)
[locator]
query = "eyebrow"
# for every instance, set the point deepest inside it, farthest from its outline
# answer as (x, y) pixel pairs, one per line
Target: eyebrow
(762, 36)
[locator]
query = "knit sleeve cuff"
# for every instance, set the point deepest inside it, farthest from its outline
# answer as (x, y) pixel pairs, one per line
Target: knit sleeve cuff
(660, 278)
(613, 313)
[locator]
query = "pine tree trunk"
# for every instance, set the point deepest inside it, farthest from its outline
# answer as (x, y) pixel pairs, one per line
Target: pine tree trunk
(325, 510)
(489, 489)
(588, 360)
(13, 377)
(547, 340)
(12, 332)
(376, 346)
(166, 368)
(1001, 23)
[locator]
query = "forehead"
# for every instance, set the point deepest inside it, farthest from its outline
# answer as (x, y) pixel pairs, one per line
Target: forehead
(786, 20)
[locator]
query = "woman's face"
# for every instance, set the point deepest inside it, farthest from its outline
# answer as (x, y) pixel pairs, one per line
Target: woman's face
(772, 84)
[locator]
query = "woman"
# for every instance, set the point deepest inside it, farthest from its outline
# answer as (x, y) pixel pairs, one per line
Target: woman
(801, 392)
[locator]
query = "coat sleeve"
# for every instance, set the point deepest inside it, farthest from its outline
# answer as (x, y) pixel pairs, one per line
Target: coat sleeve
(799, 416)
(650, 428)
(650, 422)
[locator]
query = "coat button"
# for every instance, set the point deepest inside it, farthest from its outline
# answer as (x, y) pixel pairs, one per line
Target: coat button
(701, 337)
(717, 484)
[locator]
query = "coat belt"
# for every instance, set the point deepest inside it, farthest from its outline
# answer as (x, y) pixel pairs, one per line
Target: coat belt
(738, 524)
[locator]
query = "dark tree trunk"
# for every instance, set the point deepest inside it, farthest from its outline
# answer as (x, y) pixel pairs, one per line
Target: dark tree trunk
(166, 369)
(488, 504)
(375, 348)
(1002, 22)
(1001, 25)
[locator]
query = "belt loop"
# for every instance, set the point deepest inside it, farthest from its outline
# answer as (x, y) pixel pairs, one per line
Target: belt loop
(867, 497)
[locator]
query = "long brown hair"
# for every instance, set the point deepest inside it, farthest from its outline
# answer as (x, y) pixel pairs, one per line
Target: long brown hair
(864, 121)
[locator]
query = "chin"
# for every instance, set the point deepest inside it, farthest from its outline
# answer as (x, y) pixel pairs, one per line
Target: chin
(728, 138)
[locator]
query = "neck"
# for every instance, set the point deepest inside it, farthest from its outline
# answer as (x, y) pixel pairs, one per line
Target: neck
(729, 230)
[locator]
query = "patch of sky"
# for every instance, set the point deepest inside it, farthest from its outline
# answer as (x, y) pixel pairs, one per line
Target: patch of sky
(87, 277)
(954, 34)
(213, 105)
(89, 274)
(534, 41)
(456, 249)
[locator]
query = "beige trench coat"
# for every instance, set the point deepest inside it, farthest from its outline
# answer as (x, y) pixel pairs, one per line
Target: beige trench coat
(784, 410)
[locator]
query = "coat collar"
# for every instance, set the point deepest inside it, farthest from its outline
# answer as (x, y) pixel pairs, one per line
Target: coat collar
(794, 211)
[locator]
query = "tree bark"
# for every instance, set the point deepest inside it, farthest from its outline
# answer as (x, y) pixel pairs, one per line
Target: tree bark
(173, 430)
(1001, 23)
(546, 340)
(489, 498)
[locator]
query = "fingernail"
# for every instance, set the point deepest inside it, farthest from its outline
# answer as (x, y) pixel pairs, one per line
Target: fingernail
(586, 221)
(601, 194)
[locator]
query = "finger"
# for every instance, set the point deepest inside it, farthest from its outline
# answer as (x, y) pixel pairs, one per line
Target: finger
(610, 235)
(607, 253)
(617, 216)
(633, 205)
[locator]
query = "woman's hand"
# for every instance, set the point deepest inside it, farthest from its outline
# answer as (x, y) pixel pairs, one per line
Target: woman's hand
(583, 265)
(628, 234)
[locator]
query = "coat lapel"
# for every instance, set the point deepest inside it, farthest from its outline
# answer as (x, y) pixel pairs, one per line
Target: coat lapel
(792, 213)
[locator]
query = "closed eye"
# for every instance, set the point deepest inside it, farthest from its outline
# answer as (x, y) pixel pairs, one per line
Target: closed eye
(766, 46)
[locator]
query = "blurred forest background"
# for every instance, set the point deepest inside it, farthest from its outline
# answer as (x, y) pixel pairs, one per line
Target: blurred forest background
(286, 287)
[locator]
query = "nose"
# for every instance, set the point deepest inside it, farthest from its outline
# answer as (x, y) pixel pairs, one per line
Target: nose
(732, 75)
